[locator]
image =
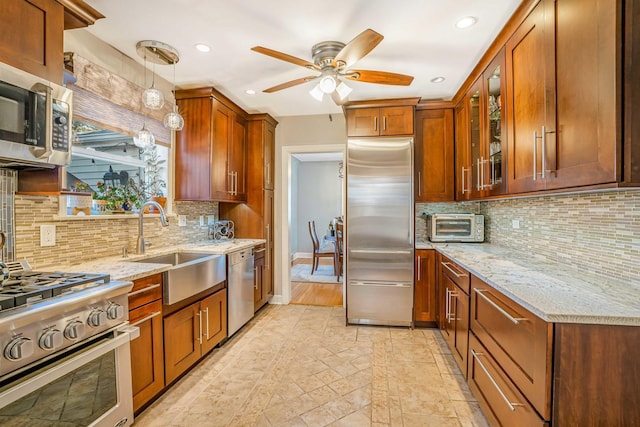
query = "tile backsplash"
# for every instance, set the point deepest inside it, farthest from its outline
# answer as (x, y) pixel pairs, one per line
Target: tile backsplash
(83, 240)
(595, 232)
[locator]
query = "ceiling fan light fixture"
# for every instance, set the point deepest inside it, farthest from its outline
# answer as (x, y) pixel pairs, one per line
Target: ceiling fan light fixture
(317, 93)
(327, 84)
(343, 90)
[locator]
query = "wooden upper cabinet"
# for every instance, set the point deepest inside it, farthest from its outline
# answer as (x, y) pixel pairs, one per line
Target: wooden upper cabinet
(434, 160)
(587, 93)
(530, 59)
(462, 155)
(475, 168)
(211, 149)
(383, 121)
(31, 35)
(494, 132)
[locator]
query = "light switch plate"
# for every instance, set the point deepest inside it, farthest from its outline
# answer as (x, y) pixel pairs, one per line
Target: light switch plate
(48, 235)
(182, 220)
(515, 223)
(211, 219)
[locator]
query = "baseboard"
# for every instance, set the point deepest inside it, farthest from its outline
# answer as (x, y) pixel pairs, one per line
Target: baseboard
(277, 300)
(305, 255)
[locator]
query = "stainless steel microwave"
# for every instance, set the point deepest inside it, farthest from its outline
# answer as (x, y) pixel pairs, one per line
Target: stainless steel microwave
(457, 227)
(35, 120)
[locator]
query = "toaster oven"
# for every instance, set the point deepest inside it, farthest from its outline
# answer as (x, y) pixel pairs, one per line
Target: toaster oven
(457, 227)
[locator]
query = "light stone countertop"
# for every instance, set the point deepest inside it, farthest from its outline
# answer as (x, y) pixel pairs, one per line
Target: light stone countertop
(127, 269)
(552, 291)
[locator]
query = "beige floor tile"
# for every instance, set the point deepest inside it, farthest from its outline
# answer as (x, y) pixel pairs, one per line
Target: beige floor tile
(301, 366)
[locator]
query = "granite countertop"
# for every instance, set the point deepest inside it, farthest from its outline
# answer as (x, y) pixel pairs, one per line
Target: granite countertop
(127, 269)
(552, 291)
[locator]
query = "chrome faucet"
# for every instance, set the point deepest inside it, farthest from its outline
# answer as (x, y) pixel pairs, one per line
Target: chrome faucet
(140, 246)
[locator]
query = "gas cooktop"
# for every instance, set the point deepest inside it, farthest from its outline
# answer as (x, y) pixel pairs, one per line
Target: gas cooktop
(28, 286)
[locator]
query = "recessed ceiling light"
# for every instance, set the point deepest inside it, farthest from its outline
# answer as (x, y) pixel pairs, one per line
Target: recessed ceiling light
(203, 47)
(250, 92)
(437, 79)
(466, 22)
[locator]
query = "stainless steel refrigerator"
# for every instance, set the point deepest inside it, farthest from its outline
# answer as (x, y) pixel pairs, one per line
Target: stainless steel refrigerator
(379, 231)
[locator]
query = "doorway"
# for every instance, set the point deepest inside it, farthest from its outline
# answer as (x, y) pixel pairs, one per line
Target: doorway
(313, 190)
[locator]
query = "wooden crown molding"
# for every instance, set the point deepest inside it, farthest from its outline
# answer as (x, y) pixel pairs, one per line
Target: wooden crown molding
(78, 14)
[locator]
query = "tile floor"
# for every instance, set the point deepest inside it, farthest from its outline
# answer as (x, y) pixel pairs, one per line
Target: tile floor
(299, 365)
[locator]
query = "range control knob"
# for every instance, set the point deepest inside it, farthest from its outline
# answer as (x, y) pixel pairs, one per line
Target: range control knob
(50, 339)
(115, 311)
(98, 317)
(74, 330)
(18, 348)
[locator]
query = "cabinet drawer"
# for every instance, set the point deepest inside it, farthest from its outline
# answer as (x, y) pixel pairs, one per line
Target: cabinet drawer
(517, 339)
(145, 290)
(457, 274)
(500, 400)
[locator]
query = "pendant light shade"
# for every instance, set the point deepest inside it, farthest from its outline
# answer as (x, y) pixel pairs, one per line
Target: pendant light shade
(173, 120)
(145, 138)
(153, 98)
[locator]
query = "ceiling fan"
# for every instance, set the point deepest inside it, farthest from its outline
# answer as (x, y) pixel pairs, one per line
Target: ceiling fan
(333, 59)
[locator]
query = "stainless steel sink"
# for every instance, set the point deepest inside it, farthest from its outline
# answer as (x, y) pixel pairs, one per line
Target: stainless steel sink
(191, 273)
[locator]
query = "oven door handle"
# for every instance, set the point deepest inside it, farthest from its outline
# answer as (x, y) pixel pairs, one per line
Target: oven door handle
(22, 388)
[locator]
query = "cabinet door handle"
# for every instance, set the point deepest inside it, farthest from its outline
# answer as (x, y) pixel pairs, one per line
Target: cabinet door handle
(199, 314)
(255, 278)
(268, 180)
(535, 155)
(144, 319)
(447, 265)
(268, 244)
(384, 122)
(544, 152)
(419, 267)
(230, 185)
(236, 181)
(147, 289)
(375, 123)
(462, 179)
(206, 322)
(515, 320)
(446, 305)
(511, 405)
(478, 165)
(452, 294)
(419, 183)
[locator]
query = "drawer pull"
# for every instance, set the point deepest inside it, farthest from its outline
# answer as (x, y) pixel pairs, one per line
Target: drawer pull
(511, 405)
(148, 288)
(455, 273)
(144, 319)
(257, 251)
(515, 320)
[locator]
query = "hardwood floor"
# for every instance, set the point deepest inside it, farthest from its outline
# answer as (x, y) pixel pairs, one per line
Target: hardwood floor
(312, 293)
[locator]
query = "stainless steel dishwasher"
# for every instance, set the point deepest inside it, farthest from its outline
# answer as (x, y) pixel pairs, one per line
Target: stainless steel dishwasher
(240, 291)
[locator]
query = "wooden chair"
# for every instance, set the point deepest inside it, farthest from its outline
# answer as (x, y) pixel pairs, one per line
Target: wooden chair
(339, 249)
(318, 251)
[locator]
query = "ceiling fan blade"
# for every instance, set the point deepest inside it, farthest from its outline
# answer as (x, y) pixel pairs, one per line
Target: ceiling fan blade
(284, 57)
(358, 48)
(380, 77)
(291, 83)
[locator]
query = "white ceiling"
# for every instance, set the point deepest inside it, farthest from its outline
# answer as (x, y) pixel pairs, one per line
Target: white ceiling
(420, 39)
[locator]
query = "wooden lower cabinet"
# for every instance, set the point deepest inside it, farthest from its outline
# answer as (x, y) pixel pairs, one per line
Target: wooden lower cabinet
(147, 359)
(454, 309)
(192, 331)
(424, 291)
(500, 400)
(260, 290)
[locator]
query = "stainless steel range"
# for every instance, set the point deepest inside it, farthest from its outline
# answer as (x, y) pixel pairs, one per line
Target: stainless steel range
(64, 349)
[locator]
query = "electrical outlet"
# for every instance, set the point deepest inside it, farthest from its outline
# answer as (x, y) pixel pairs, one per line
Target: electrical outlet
(202, 224)
(515, 223)
(182, 220)
(211, 219)
(48, 235)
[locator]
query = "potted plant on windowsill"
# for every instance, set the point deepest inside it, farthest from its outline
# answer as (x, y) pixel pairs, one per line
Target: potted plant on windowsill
(79, 203)
(154, 184)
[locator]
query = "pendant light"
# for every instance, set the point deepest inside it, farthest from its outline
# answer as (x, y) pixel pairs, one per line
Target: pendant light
(152, 97)
(163, 54)
(145, 138)
(173, 120)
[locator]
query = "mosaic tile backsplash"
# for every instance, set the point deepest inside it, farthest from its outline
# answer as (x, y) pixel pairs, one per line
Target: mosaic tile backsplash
(594, 232)
(88, 239)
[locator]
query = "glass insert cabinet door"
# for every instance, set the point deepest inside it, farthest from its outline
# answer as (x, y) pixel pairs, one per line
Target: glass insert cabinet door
(495, 128)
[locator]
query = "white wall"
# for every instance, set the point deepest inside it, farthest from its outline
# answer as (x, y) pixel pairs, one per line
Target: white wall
(319, 199)
(306, 132)
(293, 211)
